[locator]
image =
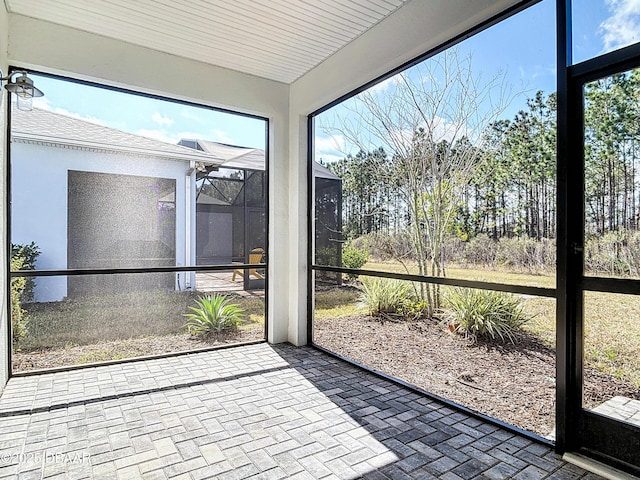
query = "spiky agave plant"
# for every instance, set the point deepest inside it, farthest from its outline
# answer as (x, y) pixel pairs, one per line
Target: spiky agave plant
(214, 314)
(482, 313)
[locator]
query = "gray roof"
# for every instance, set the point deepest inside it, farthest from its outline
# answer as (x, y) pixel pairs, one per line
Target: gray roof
(209, 200)
(243, 157)
(234, 156)
(55, 129)
(320, 171)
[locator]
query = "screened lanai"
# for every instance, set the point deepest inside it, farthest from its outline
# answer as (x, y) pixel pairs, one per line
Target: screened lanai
(231, 209)
(286, 61)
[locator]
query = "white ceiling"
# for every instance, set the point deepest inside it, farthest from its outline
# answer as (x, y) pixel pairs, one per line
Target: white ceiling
(277, 39)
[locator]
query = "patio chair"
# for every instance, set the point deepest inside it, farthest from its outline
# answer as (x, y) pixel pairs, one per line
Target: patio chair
(255, 256)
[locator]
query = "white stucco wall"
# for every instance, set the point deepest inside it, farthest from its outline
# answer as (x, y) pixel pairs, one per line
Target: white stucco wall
(39, 201)
(4, 335)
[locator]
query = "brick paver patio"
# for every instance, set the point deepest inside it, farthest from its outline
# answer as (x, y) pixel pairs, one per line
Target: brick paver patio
(256, 411)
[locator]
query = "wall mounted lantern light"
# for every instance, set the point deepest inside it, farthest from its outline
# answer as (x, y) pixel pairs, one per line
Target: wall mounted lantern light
(23, 87)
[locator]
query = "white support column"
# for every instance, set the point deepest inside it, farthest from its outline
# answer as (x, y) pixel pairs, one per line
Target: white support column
(5, 354)
(297, 332)
(281, 218)
(190, 225)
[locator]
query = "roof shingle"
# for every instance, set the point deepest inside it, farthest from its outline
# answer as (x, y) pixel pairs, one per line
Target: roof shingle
(55, 129)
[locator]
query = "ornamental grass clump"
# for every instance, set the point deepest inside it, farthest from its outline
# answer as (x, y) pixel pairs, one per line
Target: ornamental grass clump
(481, 313)
(214, 314)
(384, 297)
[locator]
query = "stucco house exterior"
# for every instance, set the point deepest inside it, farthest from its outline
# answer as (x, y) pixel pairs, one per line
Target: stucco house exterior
(97, 197)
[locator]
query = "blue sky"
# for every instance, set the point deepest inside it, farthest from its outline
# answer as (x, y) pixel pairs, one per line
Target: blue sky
(162, 120)
(523, 49)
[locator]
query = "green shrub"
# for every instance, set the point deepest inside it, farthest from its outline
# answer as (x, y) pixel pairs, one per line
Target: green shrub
(18, 318)
(28, 253)
(415, 308)
(383, 296)
(354, 258)
(481, 313)
(214, 314)
(328, 255)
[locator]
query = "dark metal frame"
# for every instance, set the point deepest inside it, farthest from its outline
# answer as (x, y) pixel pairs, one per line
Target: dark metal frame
(7, 229)
(117, 271)
(601, 437)
(454, 282)
(246, 210)
(567, 370)
(311, 294)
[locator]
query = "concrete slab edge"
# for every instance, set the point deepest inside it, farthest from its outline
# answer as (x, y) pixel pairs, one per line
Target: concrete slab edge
(596, 467)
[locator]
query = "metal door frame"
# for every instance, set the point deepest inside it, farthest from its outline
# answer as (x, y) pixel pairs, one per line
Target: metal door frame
(579, 430)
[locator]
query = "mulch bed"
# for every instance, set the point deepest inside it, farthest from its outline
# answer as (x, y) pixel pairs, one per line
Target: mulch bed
(120, 349)
(513, 383)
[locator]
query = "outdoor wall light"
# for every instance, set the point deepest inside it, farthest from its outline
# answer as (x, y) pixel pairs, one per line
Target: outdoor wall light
(22, 86)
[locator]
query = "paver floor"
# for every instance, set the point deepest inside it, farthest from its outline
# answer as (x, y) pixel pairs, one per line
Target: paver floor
(257, 411)
(207, 282)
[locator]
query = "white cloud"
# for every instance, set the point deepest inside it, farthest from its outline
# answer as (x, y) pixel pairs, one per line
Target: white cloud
(66, 112)
(44, 104)
(385, 84)
(444, 129)
(162, 120)
(161, 135)
(332, 143)
(440, 128)
(622, 28)
(544, 71)
(221, 137)
(329, 148)
(191, 116)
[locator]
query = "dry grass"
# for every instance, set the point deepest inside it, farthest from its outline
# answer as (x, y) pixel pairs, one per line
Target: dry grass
(612, 331)
(337, 303)
(129, 348)
(101, 318)
(612, 334)
(484, 275)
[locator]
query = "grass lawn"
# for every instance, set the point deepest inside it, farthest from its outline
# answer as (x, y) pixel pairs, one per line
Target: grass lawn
(94, 319)
(612, 321)
(488, 274)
